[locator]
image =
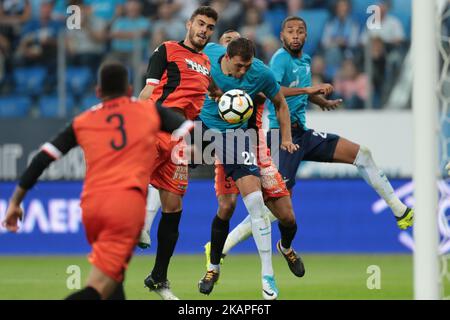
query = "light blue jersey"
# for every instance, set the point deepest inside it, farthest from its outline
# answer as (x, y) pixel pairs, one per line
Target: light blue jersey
(291, 72)
(257, 79)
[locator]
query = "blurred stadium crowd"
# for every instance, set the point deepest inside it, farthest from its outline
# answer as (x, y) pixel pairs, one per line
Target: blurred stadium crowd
(361, 63)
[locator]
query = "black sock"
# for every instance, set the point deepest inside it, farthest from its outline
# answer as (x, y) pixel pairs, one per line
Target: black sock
(87, 293)
(167, 239)
(118, 294)
(287, 234)
(219, 234)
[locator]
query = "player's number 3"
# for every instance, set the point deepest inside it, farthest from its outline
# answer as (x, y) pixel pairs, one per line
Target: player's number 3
(120, 127)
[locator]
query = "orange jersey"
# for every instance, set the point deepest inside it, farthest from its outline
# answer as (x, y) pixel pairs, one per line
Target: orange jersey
(118, 138)
(181, 76)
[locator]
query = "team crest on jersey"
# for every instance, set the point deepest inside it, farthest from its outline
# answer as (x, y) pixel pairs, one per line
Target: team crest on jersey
(197, 67)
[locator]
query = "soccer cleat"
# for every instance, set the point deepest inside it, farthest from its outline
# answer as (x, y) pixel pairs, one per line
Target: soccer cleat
(406, 220)
(208, 255)
(206, 284)
(269, 288)
(294, 261)
(161, 288)
(144, 240)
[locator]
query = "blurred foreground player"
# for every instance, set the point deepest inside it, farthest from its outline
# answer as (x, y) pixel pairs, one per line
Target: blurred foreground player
(118, 137)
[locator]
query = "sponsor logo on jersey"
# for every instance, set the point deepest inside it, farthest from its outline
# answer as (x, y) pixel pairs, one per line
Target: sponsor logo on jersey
(197, 67)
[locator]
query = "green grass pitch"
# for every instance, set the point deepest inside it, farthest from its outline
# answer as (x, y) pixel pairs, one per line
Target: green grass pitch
(327, 277)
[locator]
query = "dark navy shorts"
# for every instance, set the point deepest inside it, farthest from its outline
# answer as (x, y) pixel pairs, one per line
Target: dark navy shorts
(235, 150)
(314, 146)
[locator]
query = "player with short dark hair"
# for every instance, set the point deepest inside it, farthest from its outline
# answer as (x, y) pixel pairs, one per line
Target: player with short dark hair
(178, 76)
(118, 138)
(291, 67)
(236, 68)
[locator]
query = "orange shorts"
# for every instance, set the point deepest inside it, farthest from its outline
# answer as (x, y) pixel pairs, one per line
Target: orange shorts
(113, 221)
(170, 172)
(272, 182)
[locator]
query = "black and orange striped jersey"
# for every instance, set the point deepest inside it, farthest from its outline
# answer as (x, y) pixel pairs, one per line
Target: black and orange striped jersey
(181, 76)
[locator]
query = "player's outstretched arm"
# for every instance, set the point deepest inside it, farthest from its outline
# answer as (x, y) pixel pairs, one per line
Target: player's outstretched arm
(50, 151)
(284, 119)
(146, 92)
(323, 88)
(324, 103)
(14, 211)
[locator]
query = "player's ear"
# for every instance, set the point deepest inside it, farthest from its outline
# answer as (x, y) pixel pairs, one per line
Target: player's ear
(188, 24)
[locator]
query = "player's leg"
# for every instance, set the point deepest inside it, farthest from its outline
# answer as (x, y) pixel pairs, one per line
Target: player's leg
(219, 230)
(153, 205)
(360, 156)
(250, 188)
(171, 180)
(113, 237)
(226, 193)
(281, 207)
(99, 286)
(171, 206)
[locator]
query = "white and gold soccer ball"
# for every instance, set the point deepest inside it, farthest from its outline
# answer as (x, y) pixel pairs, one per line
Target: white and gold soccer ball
(235, 106)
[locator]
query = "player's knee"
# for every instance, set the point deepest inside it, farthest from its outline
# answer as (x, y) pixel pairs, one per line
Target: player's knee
(226, 208)
(364, 157)
(288, 220)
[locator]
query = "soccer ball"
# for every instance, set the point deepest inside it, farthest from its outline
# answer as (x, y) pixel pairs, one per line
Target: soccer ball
(235, 106)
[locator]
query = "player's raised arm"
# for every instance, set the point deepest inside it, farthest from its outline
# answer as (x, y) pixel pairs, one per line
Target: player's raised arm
(49, 152)
(157, 65)
(323, 88)
(284, 119)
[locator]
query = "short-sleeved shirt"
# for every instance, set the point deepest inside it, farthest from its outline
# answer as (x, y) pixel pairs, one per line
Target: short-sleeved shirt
(291, 72)
(257, 79)
(181, 76)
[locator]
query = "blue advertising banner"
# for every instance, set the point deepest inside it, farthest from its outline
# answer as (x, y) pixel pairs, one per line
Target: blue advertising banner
(333, 216)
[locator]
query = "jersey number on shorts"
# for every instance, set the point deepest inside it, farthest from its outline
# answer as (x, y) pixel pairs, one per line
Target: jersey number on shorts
(249, 158)
(321, 134)
(120, 128)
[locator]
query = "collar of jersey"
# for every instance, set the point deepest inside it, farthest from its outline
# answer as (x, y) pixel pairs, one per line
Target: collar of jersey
(181, 43)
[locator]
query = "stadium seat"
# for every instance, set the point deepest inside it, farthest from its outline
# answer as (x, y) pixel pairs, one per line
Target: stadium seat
(88, 102)
(29, 80)
(275, 17)
(315, 20)
(14, 106)
(78, 80)
(49, 106)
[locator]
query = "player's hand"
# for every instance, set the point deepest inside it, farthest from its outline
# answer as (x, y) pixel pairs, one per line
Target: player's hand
(289, 146)
(326, 88)
(323, 88)
(331, 105)
(215, 94)
(13, 214)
